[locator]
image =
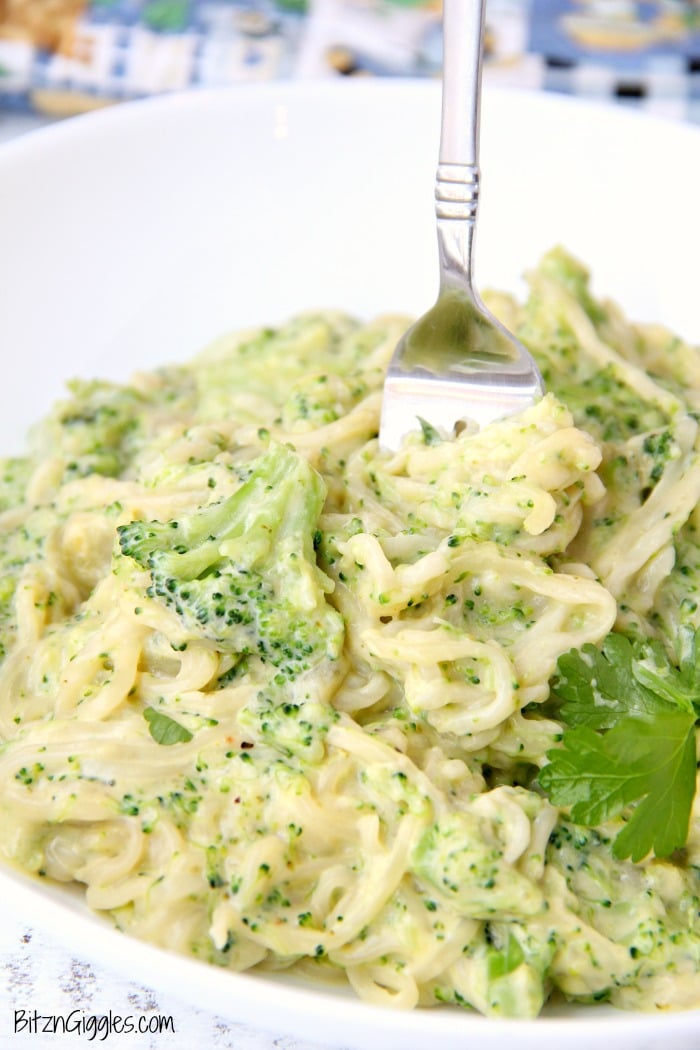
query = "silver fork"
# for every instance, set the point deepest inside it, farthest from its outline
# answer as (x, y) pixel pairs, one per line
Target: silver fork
(457, 362)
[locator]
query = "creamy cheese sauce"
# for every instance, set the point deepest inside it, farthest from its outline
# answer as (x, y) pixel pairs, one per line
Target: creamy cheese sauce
(299, 722)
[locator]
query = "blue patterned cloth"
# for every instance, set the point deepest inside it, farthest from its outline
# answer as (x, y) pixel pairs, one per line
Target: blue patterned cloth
(61, 56)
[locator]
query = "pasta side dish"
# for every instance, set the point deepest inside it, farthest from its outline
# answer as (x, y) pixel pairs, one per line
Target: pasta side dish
(424, 722)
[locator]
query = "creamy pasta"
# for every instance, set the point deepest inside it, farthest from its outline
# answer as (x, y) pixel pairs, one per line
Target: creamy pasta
(300, 722)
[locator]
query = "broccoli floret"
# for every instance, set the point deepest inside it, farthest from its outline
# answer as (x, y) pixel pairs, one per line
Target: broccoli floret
(20, 545)
(574, 276)
(15, 473)
(243, 572)
(94, 431)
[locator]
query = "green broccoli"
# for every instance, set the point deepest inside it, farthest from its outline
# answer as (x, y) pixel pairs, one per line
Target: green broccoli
(94, 431)
(21, 544)
(15, 473)
(243, 572)
(566, 270)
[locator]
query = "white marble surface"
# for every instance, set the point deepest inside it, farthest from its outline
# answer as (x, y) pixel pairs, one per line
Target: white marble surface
(38, 974)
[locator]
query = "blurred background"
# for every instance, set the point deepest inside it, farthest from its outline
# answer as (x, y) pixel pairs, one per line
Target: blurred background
(62, 57)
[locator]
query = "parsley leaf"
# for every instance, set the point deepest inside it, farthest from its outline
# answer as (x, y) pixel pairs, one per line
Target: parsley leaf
(165, 730)
(630, 738)
(430, 434)
(678, 686)
(599, 687)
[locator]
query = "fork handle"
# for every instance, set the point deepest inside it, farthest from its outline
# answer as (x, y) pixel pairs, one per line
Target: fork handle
(457, 180)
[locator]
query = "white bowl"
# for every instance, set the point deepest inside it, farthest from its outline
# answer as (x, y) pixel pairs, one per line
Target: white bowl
(132, 237)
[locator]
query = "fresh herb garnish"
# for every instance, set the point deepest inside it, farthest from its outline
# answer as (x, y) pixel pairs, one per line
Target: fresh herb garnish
(430, 434)
(165, 730)
(630, 719)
